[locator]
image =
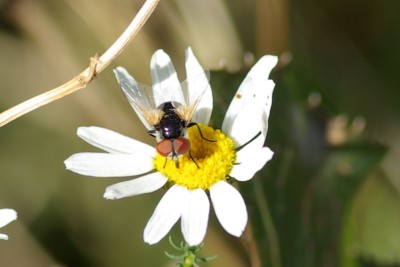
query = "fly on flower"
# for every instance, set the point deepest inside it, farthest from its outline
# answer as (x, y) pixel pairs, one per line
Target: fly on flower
(191, 190)
(166, 111)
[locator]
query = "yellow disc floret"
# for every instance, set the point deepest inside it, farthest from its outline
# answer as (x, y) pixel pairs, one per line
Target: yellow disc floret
(213, 160)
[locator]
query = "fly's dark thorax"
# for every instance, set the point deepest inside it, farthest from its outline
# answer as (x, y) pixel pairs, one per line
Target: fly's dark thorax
(171, 126)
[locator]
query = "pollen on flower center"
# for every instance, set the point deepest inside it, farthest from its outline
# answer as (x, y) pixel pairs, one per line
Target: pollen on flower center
(214, 159)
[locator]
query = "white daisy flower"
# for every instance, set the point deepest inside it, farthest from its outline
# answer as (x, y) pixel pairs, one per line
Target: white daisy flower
(210, 167)
(6, 216)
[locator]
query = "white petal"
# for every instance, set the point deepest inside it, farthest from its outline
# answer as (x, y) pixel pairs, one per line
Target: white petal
(142, 185)
(3, 236)
(195, 217)
(250, 162)
(7, 216)
(166, 86)
(113, 142)
(247, 125)
(229, 207)
(167, 213)
(255, 89)
(109, 165)
(251, 113)
(198, 84)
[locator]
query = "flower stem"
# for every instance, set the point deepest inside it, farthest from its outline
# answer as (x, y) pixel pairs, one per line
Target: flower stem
(97, 64)
(268, 224)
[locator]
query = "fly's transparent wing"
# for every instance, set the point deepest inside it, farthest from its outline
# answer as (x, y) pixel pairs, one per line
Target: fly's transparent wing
(140, 97)
(193, 89)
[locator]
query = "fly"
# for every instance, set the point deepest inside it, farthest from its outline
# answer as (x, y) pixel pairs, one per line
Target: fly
(167, 121)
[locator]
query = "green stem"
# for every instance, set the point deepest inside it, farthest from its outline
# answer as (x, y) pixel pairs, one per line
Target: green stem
(268, 224)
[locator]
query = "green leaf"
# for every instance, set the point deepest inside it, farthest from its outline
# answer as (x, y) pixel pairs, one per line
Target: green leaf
(376, 217)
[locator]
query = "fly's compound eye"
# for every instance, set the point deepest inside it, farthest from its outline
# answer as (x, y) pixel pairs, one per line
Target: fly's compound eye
(181, 145)
(164, 147)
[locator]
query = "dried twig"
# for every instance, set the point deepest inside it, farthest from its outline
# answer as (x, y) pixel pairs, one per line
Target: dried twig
(97, 64)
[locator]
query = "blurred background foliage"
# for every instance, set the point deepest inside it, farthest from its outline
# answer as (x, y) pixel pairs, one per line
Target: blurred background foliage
(329, 197)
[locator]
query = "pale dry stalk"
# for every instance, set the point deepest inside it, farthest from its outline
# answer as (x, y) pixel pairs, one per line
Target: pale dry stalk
(97, 64)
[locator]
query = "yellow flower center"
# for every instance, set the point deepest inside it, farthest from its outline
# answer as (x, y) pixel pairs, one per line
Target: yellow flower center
(214, 160)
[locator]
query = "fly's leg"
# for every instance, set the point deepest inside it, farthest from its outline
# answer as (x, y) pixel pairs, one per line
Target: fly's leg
(191, 157)
(152, 133)
(248, 142)
(165, 163)
(201, 134)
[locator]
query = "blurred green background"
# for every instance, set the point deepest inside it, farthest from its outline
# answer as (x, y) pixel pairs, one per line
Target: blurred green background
(329, 197)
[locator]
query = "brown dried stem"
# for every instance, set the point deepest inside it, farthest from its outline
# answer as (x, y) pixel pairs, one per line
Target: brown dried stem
(97, 64)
